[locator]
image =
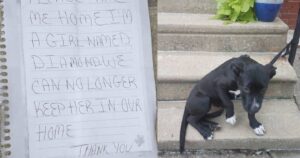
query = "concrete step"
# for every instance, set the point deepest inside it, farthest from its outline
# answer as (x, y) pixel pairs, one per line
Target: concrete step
(187, 6)
(192, 32)
(280, 118)
(229, 154)
(178, 72)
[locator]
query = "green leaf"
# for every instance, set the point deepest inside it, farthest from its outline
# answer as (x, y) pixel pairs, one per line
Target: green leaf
(220, 3)
(236, 8)
(233, 2)
(251, 2)
(224, 10)
(234, 16)
(236, 12)
(247, 17)
(245, 6)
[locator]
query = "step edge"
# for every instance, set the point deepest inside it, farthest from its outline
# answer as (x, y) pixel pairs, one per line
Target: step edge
(162, 77)
(195, 79)
(279, 27)
(289, 141)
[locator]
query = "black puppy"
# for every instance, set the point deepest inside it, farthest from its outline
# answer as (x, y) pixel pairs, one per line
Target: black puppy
(242, 73)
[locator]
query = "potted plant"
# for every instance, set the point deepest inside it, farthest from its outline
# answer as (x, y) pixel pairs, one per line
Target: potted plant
(267, 10)
(235, 10)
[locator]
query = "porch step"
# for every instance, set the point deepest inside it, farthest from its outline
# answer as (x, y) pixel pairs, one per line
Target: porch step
(280, 118)
(187, 6)
(192, 32)
(178, 72)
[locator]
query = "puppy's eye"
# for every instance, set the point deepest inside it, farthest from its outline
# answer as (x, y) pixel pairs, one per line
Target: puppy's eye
(246, 90)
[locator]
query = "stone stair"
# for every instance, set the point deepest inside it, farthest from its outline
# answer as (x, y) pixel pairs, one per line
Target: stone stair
(190, 44)
(192, 32)
(178, 71)
(187, 6)
(280, 117)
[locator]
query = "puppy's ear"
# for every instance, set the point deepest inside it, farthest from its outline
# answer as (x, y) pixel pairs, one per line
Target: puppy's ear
(237, 67)
(271, 70)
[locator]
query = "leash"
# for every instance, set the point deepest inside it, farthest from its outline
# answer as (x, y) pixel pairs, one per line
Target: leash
(281, 54)
(292, 46)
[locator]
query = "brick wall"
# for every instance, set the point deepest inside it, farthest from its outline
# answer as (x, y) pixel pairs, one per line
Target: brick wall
(289, 12)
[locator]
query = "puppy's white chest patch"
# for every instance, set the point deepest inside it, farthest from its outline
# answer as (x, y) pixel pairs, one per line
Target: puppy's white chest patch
(236, 93)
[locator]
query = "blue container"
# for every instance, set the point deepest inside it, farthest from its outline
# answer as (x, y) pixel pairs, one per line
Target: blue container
(267, 10)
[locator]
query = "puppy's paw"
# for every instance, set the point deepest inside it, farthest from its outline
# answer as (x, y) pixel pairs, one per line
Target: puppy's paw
(231, 120)
(217, 128)
(211, 137)
(260, 130)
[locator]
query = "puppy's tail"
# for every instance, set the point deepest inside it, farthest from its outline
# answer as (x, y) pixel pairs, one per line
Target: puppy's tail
(184, 125)
(214, 114)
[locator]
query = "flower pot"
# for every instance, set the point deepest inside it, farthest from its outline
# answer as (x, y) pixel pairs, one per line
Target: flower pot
(267, 10)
